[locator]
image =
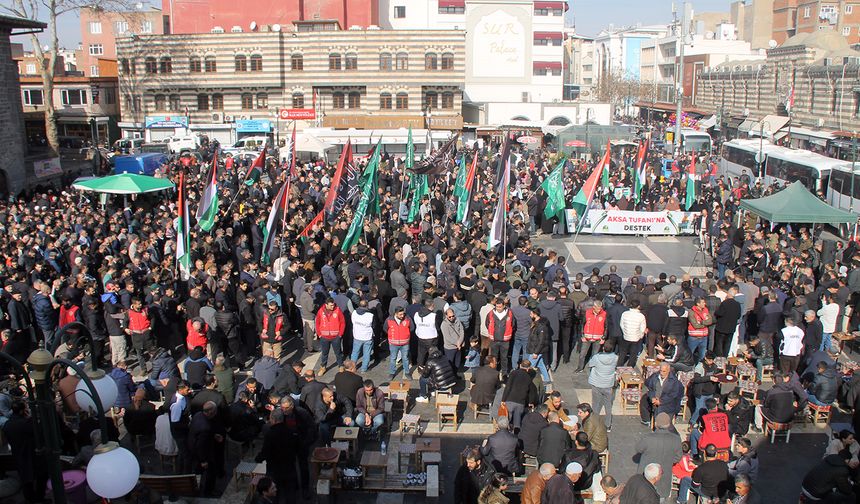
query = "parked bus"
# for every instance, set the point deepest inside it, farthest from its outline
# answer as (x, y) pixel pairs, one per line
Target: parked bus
(738, 156)
(843, 192)
(696, 141)
(789, 165)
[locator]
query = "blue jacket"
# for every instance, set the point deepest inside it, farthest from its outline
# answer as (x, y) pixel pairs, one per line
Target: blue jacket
(124, 385)
(46, 315)
(671, 395)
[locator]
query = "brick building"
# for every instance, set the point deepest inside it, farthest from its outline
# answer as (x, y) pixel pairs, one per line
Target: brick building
(13, 174)
(100, 29)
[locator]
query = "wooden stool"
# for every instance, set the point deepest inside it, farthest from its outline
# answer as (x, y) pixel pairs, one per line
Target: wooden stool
(246, 470)
(407, 449)
(776, 428)
(375, 466)
(447, 413)
(531, 461)
(479, 409)
(428, 458)
(604, 460)
(341, 446)
(630, 398)
(819, 414)
(408, 421)
(172, 459)
(349, 435)
(324, 463)
(767, 373)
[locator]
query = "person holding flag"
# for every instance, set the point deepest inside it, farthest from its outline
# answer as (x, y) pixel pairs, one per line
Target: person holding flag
(691, 183)
(368, 201)
(183, 233)
(585, 195)
(256, 168)
(207, 211)
(553, 186)
(464, 192)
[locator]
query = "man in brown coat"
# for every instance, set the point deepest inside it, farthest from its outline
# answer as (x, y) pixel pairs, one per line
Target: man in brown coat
(535, 483)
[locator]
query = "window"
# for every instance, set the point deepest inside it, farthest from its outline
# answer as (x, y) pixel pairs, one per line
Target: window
(175, 103)
(447, 100)
(123, 64)
(297, 62)
(541, 12)
(262, 100)
(431, 62)
(202, 102)
(298, 100)
(337, 100)
(807, 12)
(94, 70)
(137, 104)
(849, 9)
(165, 66)
(447, 61)
(399, 11)
(459, 9)
(150, 66)
(385, 62)
(241, 63)
(31, 69)
(96, 50)
(402, 61)
(33, 97)
(247, 101)
(160, 102)
(194, 64)
(120, 27)
(256, 63)
(827, 10)
(110, 95)
(146, 27)
(95, 27)
(209, 64)
(846, 30)
(334, 61)
(354, 100)
(217, 101)
(402, 101)
(385, 101)
(350, 62)
(431, 99)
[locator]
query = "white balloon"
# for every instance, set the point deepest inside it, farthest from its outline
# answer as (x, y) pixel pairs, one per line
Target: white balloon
(106, 388)
(113, 474)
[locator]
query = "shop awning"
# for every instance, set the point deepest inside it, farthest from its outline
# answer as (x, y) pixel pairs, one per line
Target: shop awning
(746, 125)
(548, 35)
(549, 65)
(708, 123)
(452, 3)
(817, 137)
(771, 124)
(734, 122)
(551, 5)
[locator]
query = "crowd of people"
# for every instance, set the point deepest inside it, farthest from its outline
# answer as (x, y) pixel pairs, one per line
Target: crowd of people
(429, 298)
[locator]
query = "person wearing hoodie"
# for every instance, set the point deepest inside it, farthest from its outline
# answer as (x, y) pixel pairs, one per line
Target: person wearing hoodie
(267, 369)
(197, 366)
(550, 310)
(425, 331)
(824, 386)
(453, 337)
(747, 462)
(676, 354)
(829, 481)
(601, 378)
(124, 385)
(463, 310)
(522, 316)
(538, 344)
(363, 321)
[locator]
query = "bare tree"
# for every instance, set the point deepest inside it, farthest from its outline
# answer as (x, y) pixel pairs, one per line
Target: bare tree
(46, 57)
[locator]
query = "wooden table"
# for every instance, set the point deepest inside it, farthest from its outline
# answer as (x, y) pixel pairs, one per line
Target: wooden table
(399, 391)
(426, 445)
(631, 380)
(842, 338)
(375, 465)
(349, 435)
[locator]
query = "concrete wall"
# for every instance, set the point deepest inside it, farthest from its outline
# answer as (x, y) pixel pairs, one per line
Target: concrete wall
(11, 117)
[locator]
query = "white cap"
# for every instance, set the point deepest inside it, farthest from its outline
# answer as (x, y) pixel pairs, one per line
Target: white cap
(573, 468)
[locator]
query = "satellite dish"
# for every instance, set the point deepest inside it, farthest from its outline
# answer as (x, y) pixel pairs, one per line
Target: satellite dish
(276, 27)
(772, 43)
(253, 25)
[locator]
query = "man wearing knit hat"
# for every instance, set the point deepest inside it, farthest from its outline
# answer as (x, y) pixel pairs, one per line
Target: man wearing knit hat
(561, 488)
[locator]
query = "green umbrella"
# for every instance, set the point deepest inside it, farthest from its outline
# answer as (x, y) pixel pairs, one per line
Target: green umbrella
(125, 183)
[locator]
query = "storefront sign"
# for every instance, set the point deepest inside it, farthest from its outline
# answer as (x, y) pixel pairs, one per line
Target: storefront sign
(253, 126)
(528, 140)
(291, 114)
(166, 122)
(575, 143)
(391, 122)
(620, 222)
(47, 167)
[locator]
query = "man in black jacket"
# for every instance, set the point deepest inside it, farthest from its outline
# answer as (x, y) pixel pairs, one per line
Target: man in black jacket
(279, 452)
(201, 443)
(829, 481)
(290, 380)
(583, 453)
(553, 441)
(532, 425)
(486, 382)
(726, 320)
(437, 374)
(502, 450)
(780, 403)
(472, 477)
(519, 392)
(332, 411)
(740, 414)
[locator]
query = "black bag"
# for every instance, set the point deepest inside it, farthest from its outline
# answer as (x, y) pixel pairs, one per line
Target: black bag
(351, 477)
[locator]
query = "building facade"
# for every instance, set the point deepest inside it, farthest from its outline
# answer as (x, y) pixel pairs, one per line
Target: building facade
(754, 21)
(579, 67)
(819, 68)
(227, 84)
(100, 29)
(618, 51)
(225, 16)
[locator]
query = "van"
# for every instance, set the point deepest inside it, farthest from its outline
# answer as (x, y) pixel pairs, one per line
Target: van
(128, 145)
(182, 143)
(247, 143)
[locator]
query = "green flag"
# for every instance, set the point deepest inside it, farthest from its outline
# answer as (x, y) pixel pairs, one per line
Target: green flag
(465, 196)
(420, 189)
(410, 151)
(368, 198)
(553, 186)
(691, 185)
(460, 183)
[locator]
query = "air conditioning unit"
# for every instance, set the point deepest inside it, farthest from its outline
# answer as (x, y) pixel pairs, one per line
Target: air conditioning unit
(228, 118)
(746, 112)
(217, 117)
(820, 122)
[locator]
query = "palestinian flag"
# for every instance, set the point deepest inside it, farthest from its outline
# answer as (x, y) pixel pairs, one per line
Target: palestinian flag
(464, 199)
(500, 216)
(183, 233)
(256, 168)
(306, 232)
(604, 179)
(207, 211)
(279, 208)
(639, 175)
(691, 184)
(583, 198)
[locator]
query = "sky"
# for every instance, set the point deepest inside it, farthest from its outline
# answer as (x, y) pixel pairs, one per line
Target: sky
(590, 16)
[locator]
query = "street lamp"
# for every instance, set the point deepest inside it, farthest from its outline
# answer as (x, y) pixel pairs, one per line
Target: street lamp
(587, 144)
(113, 471)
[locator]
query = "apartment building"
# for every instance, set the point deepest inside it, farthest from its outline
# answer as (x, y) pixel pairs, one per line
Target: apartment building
(100, 29)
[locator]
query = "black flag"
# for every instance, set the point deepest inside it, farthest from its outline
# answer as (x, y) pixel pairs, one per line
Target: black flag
(440, 161)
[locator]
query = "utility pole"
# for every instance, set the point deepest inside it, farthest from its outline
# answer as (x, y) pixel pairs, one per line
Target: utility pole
(681, 35)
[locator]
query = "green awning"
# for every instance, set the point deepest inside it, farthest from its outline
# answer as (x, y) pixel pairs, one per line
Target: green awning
(124, 183)
(795, 204)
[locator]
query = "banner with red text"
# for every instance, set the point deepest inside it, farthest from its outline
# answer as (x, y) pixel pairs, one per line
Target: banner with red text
(620, 222)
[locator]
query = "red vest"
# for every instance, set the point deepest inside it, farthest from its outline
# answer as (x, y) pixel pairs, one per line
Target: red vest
(716, 430)
(398, 333)
(700, 317)
(275, 335)
(509, 325)
(68, 315)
